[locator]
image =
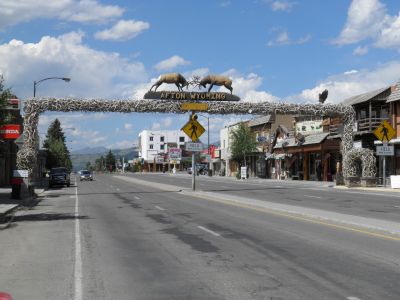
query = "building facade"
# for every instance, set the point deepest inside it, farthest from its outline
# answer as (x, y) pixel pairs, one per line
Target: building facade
(154, 145)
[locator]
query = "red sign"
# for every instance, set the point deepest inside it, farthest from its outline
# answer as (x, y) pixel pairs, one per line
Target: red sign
(10, 132)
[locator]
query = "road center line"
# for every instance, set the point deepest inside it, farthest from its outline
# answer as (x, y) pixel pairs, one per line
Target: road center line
(78, 250)
(208, 230)
(311, 196)
(136, 197)
(353, 298)
(159, 208)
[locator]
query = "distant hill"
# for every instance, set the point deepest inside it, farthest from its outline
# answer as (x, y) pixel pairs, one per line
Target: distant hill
(80, 157)
(89, 150)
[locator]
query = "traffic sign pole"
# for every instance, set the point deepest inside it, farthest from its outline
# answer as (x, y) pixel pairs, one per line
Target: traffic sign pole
(193, 172)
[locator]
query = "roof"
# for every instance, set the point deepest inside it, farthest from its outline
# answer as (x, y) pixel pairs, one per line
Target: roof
(260, 121)
(365, 97)
(395, 95)
(309, 140)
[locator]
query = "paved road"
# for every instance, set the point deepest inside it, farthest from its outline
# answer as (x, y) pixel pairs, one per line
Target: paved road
(379, 205)
(114, 239)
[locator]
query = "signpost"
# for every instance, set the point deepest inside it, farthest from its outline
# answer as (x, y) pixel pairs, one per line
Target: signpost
(384, 132)
(196, 106)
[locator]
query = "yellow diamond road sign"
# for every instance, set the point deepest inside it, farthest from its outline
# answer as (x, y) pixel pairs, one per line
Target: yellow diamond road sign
(193, 129)
(385, 132)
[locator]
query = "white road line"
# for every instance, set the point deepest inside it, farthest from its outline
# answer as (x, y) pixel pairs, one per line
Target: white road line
(311, 196)
(223, 186)
(208, 230)
(396, 206)
(353, 298)
(159, 208)
(78, 250)
(136, 197)
(72, 197)
(118, 189)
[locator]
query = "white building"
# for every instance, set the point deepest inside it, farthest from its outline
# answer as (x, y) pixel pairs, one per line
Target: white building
(226, 142)
(154, 143)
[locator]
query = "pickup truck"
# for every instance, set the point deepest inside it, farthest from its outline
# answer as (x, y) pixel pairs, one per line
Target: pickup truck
(59, 176)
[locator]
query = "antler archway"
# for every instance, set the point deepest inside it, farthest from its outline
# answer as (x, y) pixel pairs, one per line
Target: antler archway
(27, 156)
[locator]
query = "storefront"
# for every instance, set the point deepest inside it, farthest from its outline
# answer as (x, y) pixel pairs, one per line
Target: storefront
(313, 159)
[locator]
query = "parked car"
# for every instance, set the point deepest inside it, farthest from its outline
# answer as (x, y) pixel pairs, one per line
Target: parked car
(189, 170)
(59, 176)
(86, 175)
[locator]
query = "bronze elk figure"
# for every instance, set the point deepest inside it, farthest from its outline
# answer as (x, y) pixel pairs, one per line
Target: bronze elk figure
(176, 78)
(216, 80)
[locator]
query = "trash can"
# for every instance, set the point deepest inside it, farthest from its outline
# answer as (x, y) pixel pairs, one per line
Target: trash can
(16, 188)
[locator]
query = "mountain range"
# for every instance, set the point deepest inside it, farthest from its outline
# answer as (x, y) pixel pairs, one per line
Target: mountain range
(81, 157)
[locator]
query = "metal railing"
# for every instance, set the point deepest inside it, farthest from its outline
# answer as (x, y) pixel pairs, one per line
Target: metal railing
(369, 124)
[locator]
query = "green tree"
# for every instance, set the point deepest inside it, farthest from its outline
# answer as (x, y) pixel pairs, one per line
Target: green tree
(100, 164)
(5, 94)
(110, 160)
(57, 151)
(243, 142)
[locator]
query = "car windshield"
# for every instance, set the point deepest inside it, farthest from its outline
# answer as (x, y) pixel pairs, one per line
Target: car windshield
(85, 173)
(58, 170)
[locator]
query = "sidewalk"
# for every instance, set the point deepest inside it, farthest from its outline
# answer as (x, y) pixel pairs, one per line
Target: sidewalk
(7, 204)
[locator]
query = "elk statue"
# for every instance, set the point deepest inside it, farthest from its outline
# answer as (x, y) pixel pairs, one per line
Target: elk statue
(176, 78)
(216, 80)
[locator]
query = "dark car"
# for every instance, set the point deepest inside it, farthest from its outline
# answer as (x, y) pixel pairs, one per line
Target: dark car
(59, 176)
(85, 175)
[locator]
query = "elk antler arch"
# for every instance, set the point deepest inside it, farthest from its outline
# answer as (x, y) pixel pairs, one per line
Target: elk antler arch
(27, 156)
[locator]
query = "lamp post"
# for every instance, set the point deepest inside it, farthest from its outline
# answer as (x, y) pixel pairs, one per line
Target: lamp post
(35, 83)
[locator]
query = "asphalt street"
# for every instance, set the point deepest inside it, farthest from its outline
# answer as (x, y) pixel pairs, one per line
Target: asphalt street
(115, 239)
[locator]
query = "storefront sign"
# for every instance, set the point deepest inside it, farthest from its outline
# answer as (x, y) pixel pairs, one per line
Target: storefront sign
(13, 104)
(190, 96)
(175, 153)
(385, 150)
(309, 127)
(10, 132)
(21, 173)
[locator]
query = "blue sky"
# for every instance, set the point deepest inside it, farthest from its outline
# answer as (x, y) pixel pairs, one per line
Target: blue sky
(274, 50)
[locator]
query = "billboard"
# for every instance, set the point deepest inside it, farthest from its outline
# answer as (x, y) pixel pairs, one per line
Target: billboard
(309, 127)
(13, 104)
(175, 153)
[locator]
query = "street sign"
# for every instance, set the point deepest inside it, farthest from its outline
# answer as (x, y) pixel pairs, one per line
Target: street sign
(385, 132)
(193, 129)
(385, 150)
(194, 106)
(194, 147)
(243, 173)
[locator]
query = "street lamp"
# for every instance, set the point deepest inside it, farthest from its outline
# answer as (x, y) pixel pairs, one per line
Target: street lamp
(35, 83)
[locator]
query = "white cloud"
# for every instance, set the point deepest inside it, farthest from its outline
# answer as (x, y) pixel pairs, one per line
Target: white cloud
(128, 126)
(348, 84)
(246, 87)
(156, 126)
(171, 63)
(368, 19)
(283, 39)
(282, 5)
(13, 12)
(360, 50)
(93, 73)
(123, 30)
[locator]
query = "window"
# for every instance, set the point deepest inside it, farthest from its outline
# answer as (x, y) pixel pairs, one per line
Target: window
(161, 139)
(151, 139)
(151, 146)
(161, 147)
(181, 139)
